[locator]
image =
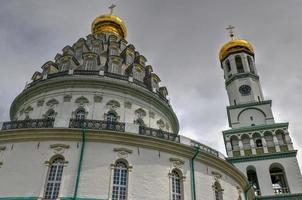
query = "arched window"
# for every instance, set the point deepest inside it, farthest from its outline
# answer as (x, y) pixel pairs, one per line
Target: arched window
(120, 181)
(239, 64)
(218, 191)
(176, 185)
(246, 142)
(228, 65)
(54, 177)
(235, 143)
(140, 122)
(281, 137)
(278, 178)
(269, 139)
(111, 116)
(50, 114)
(80, 114)
(251, 64)
(253, 179)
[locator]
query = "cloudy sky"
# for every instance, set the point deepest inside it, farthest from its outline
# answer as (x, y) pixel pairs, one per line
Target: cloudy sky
(181, 40)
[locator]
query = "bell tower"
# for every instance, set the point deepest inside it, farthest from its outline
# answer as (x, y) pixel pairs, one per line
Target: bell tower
(259, 147)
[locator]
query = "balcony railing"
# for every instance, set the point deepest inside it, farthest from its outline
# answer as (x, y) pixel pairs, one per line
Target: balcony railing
(280, 190)
(159, 134)
(97, 125)
(29, 123)
(86, 72)
(205, 148)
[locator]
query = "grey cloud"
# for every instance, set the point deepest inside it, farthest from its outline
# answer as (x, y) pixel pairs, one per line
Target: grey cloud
(181, 39)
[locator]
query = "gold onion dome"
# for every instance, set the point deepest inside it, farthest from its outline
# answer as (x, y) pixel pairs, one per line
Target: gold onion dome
(235, 45)
(109, 23)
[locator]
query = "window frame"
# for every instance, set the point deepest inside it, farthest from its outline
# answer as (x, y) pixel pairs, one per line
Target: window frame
(55, 185)
(118, 186)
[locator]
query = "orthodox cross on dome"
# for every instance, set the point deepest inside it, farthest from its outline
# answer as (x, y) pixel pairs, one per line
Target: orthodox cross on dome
(231, 28)
(111, 8)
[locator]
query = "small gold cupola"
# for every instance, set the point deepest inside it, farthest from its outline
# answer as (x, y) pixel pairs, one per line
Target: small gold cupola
(234, 45)
(109, 23)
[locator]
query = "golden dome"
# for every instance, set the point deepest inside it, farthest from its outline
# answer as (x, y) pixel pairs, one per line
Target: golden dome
(109, 23)
(234, 46)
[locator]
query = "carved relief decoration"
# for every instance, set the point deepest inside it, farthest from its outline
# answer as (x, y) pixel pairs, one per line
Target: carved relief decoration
(122, 152)
(177, 163)
(59, 148)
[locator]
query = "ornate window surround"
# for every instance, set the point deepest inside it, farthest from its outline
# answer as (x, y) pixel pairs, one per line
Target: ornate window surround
(122, 153)
(48, 163)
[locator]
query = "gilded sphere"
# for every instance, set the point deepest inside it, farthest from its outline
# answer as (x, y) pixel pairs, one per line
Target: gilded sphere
(109, 23)
(234, 46)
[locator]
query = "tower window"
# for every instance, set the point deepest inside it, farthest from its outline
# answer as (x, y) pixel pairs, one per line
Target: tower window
(239, 64)
(251, 64)
(278, 179)
(120, 181)
(55, 172)
(228, 65)
(258, 143)
(253, 179)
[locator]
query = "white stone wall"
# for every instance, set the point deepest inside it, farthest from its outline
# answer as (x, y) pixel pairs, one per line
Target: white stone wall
(24, 171)
(262, 167)
(241, 117)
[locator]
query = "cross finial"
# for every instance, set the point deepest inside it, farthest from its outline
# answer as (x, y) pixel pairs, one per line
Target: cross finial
(111, 8)
(231, 28)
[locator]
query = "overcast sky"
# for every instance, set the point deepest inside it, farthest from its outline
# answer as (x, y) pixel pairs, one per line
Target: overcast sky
(180, 39)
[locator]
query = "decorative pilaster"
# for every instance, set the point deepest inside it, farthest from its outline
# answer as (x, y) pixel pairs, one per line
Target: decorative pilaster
(241, 147)
(276, 142)
(265, 150)
(252, 143)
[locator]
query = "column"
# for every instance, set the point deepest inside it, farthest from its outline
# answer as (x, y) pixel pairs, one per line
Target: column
(252, 143)
(229, 148)
(276, 142)
(265, 150)
(241, 147)
(288, 141)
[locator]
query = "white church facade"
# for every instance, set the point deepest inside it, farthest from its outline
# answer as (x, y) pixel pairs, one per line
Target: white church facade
(95, 124)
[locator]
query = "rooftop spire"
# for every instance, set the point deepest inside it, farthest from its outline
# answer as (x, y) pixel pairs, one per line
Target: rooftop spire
(231, 28)
(111, 8)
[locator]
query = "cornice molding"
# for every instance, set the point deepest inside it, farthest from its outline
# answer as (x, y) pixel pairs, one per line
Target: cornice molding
(255, 128)
(245, 105)
(263, 157)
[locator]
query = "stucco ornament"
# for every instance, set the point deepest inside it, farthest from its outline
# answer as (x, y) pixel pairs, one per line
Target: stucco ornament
(59, 148)
(216, 175)
(122, 152)
(82, 101)
(98, 98)
(177, 163)
(113, 105)
(128, 105)
(51, 103)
